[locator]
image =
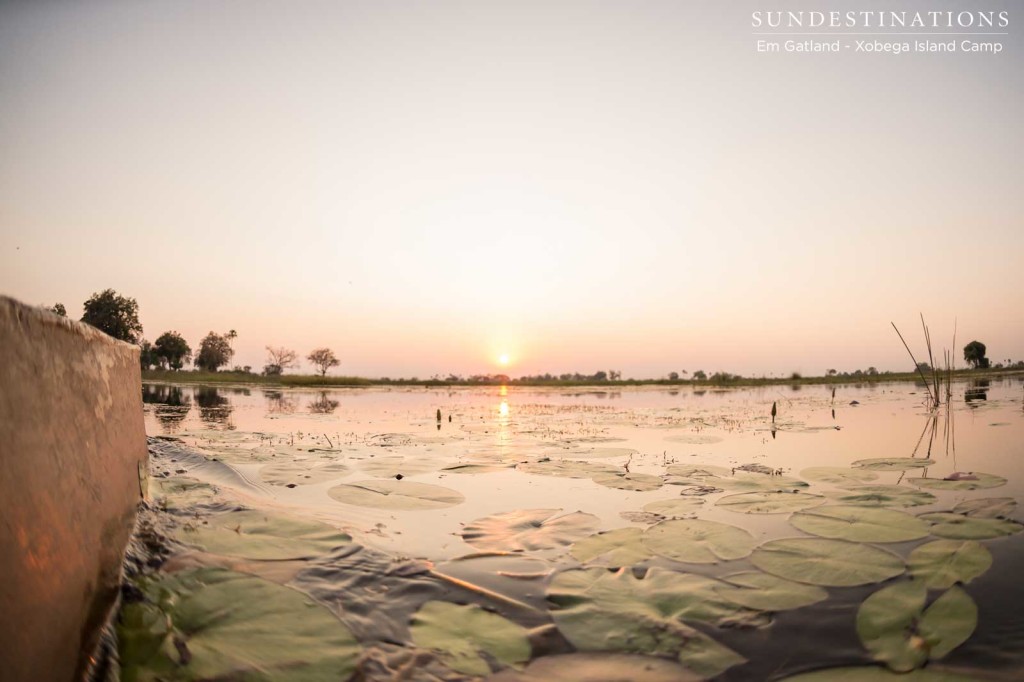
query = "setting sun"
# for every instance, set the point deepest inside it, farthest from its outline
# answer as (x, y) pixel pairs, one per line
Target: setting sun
(503, 359)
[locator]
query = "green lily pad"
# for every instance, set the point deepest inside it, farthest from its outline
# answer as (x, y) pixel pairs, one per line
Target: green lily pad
(528, 530)
(860, 524)
(598, 610)
(697, 541)
(961, 527)
(882, 496)
(970, 480)
(210, 623)
(893, 463)
(475, 468)
(466, 637)
(839, 475)
(897, 629)
(181, 492)
(987, 507)
(614, 548)
(729, 479)
(302, 472)
(262, 535)
(943, 563)
(392, 494)
(873, 673)
(766, 592)
(627, 481)
(566, 468)
(769, 502)
(675, 506)
(821, 561)
(598, 667)
(389, 466)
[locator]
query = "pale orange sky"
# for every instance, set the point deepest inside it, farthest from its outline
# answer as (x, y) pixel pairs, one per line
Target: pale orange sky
(580, 185)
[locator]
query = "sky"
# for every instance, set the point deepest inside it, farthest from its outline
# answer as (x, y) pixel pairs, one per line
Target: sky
(425, 186)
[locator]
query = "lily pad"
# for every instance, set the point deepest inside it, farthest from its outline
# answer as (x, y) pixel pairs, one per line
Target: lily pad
(769, 502)
(603, 453)
(860, 524)
(882, 496)
(971, 480)
(598, 667)
(302, 472)
(566, 468)
(389, 466)
(614, 548)
(467, 637)
(210, 623)
(893, 463)
(262, 535)
(987, 507)
(766, 592)
(598, 610)
(697, 541)
(392, 494)
(821, 561)
(475, 468)
(871, 673)
(729, 479)
(528, 530)
(675, 506)
(961, 527)
(943, 563)
(627, 481)
(180, 492)
(839, 475)
(894, 625)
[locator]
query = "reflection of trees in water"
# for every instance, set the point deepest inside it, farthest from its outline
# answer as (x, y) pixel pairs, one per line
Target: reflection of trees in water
(213, 407)
(323, 404)
(171, 404)
(278, 402)
(978, 390)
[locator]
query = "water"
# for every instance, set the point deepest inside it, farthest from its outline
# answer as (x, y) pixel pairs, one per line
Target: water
(254, 436)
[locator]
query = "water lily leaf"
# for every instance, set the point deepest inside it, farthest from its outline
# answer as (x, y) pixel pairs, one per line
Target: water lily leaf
(729, 479)
(896, 629)
(972, 480)
(263, 535)
(180, 492)
(528, 530)
(675, 506)
(769, 502)
(466, 637)
(893, 463)
(613, 548)
(475, 468)
(389, 466)
(876, 674)
(598, 667)
(392, 494)
(698, 471)
(960, 527)
(603, 453)
(598, 610)
(821, 561)
(987, 507)
(882, 496)
(697, 541)
(766, 592)
(860, 524)
(641, 517)
(943, 563)
(302, 472)
(211, 623)
(839, 475)
(566, 468)
(627, 481)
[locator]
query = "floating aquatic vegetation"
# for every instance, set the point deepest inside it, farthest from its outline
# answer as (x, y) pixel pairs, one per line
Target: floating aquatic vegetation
(467, 637)
(475, 468)
(264, 535)
(612, 548)
(181, 492)
(697, 541)
(943, 563)
(821, 561)
(598, 667)
(389, 466)
(302, 472)
(641, 517)
(961, 527)
(211, 623)
(528, 530)
(728, 479)
(987, 507)
(393, 494)
(602, 453)
(871, 673)
(766, 592)
(566, 468)
(769, 502)
(894, 625)
(893, 463)
(972, 480)
(839, 475)
(881, 496)
(694, 439)
(860, 524)
(627, 481)
(598, 610)
(675, 506)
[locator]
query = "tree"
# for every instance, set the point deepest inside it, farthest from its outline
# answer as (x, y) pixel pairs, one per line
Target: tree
(832, 372)
(114, 314)
(278, 360)
(147, 355)
(700, 375)
(974, 355)
(323, 359)
(172, 349)
(673, 376)
(214, 352)
(58, 308)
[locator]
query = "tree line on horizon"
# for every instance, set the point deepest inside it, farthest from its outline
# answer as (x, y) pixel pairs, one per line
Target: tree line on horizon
(118, 316)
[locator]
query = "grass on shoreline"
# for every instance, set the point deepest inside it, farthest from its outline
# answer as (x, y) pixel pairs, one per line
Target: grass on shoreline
(306, 380)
